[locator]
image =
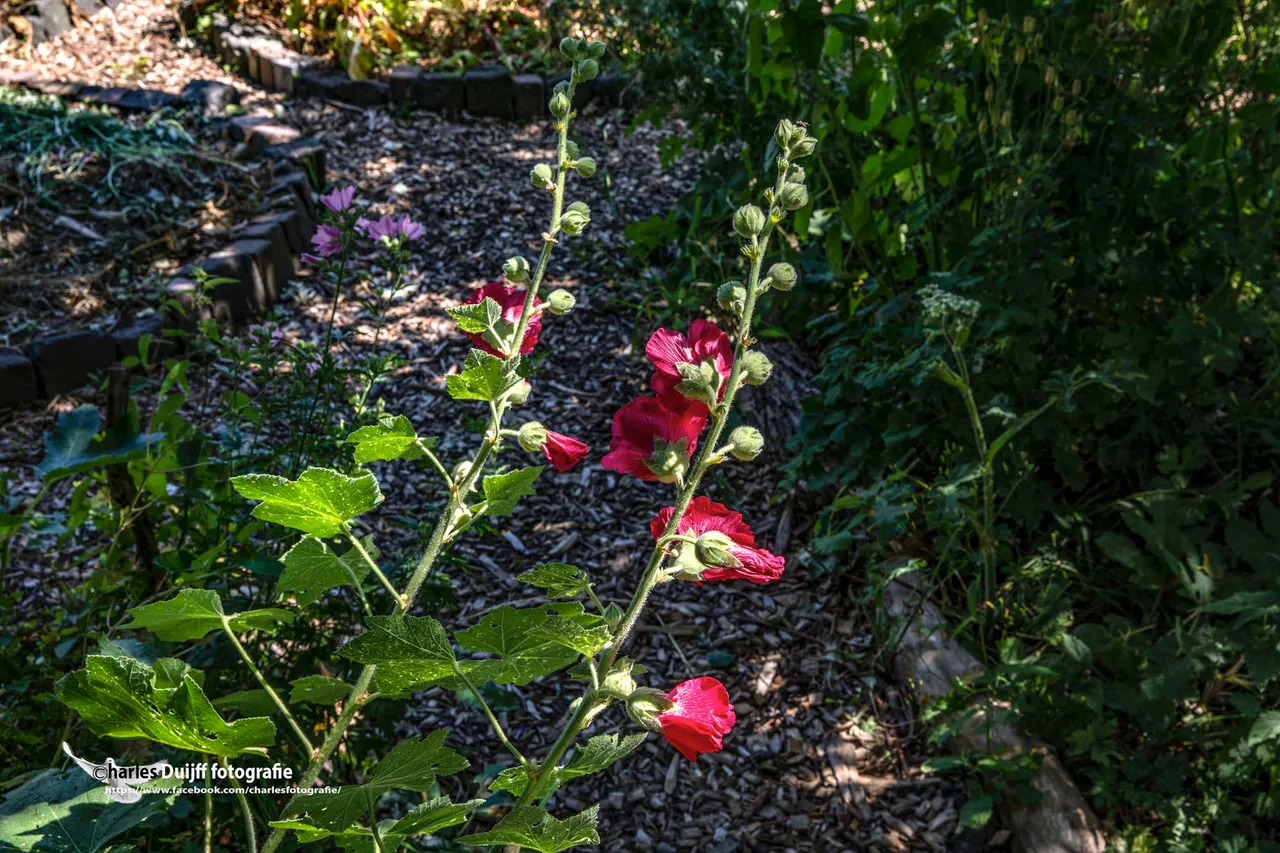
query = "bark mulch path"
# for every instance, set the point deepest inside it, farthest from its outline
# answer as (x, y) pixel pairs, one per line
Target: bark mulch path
(825, 755)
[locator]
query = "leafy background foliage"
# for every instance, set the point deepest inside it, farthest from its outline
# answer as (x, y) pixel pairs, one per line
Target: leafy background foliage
(1086, 192)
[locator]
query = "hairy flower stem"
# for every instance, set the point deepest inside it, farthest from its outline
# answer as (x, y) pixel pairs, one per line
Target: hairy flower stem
(689, 488)
(244, 807)
(359, 692)
(307, 748)
(208, 805)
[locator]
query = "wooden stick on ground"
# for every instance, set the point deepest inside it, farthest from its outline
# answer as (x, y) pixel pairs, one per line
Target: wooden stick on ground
(929, 662)
(123, 493)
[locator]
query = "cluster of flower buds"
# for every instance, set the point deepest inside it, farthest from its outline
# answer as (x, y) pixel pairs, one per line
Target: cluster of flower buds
(586, 66)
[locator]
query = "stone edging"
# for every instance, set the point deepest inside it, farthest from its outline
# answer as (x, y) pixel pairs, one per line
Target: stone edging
(489, 90)
(259, 261)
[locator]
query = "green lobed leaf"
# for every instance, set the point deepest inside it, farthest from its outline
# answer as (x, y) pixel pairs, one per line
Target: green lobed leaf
(531, 827)
(572, 635)
(414, 763)
(598, 753)
(393, 437)
(320, 689)
(433, 816)
(70, 447)
(311, 567)
(483, 377)
(503, 491)
(118, 697)
(477, 318)
(70, 812)
(409, 651)
(560, 580)
(320, 502)
(250, 703)
(192, 613)
(525, 647)
(512, 780)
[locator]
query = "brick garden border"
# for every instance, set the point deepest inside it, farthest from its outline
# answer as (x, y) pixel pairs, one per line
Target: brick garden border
(259, 261)
(489, 90)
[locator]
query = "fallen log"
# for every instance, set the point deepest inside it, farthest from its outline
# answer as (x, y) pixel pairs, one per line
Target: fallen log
(928, 662)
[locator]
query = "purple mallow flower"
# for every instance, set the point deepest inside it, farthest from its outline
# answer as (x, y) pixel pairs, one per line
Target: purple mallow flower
(390, 228)
(327, 241)
(340, 199)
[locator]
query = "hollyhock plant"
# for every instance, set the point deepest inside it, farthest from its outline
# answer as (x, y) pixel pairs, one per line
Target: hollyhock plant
(699, 718)
(339, 199)
(724, 548)
(512, 304)
(678, 361)
(654, 438)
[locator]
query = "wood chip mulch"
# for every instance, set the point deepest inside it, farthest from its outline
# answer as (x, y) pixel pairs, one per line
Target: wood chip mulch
(825, 755)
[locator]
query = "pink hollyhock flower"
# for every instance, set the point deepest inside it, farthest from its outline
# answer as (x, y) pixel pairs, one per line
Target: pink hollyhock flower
(512, 304)
(340, 199)
(654, 438)
(701, 717)
(730, 536)
(390, 228)
(563, 451)
(327, 241)
(705, 342)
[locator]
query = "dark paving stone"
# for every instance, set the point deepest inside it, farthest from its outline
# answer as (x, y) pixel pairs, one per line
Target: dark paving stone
(402, 82)
(244, 294)
(530, 98)
(290, 222)
(581, 95)
(239, 127)
(288, 204)
(307, 153)
(275, 264)
(146, 100)
(614, 89)
(108, 97)
(17, 378)
(490, 91)
(266, 134)
(436, 91)
(235, 54)
(285, 71)
(64, 362)
(49, 18)
(297, 183)
(129, 331)
(60, 88)
(337, 86)
(212, 98)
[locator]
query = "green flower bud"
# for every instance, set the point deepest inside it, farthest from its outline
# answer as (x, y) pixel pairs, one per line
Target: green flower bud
(574, 220)
(560, 105)
(570, 47)
(560, 302)
(516, 269)
(1075, 87)
(700, 381)
(587, 69)
(586, 167)
(596, 49)
(788, 133)
(519, 395)
(645, 705)
(756, 368)
(796, 175)
(532, 436)
(571, 149)
(541, 176)
(1028, 25)
(460, 471)
(732, 296)
(712, 550)
(1050, 75)
(794, 196)
(804, 148)
(669, 460)
(782, 276)
(745, 443)
(748, 221)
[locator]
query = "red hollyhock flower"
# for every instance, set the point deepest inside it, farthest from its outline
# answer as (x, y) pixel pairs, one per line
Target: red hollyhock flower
(705, 342)
(706, 516)
(702, 716)
(512, 303)
(563, 451)
(654, 438)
